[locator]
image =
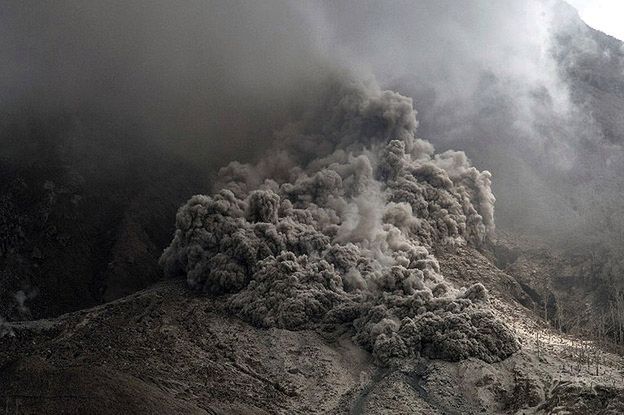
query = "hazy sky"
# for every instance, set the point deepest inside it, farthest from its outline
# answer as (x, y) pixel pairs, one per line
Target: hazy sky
(604, 15)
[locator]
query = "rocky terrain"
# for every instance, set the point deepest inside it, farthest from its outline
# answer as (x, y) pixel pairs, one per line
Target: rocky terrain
(168, 350)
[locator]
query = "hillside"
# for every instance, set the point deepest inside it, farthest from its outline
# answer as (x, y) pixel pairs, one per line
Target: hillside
(167, 350)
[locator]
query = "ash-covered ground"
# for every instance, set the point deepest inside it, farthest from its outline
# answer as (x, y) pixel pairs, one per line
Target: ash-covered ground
(169, 349)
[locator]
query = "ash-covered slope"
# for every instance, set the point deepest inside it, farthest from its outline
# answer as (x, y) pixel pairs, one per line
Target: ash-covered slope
(168, 349)
(572, 271)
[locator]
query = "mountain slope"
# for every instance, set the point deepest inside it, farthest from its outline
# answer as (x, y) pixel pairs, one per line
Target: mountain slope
(168, 348)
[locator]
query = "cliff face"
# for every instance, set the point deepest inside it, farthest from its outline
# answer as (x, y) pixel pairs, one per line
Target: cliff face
(593, 66)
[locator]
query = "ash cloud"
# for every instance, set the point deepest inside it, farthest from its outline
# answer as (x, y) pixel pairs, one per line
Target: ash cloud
(203, 80)
(339, 229)
(211, 81)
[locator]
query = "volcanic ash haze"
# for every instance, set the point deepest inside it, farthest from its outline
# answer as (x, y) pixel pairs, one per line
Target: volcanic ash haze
(323, 258)
(209, 81)
(126, 82)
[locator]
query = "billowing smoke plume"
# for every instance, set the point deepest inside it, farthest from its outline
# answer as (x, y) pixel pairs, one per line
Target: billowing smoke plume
(525, 88)
(335, 224)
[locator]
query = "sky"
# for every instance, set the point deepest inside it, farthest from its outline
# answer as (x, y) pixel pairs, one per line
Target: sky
(604, 15)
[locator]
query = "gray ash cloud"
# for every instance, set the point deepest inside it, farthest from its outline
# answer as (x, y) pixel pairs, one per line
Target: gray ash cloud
(335, 224)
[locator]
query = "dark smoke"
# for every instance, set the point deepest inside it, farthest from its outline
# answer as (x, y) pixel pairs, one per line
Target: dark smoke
(200, 79)
(211, 80)
(335, 225)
